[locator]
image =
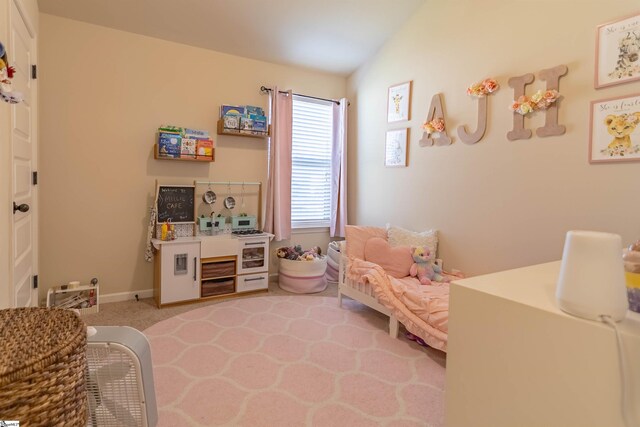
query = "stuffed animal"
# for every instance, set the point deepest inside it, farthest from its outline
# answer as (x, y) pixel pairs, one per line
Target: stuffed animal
(297, 253)
(424, 268)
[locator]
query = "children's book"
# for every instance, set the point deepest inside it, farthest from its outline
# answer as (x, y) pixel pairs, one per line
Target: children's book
(237, 110)
(188, 148)
(169, 145)
(204, 149)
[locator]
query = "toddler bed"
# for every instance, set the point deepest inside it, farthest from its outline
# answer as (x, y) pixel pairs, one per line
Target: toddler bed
(422, 309)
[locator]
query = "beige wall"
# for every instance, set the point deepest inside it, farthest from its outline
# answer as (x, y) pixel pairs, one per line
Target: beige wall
(30, 7)
(498, 204)
(103, 94)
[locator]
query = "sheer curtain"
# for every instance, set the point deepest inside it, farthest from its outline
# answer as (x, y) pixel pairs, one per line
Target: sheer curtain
(339, 170)
(277, 217)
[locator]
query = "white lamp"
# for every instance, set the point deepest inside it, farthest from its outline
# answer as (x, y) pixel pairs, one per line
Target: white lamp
(592, 282)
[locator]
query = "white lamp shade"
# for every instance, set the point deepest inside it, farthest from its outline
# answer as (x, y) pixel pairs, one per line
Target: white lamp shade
(592, 282)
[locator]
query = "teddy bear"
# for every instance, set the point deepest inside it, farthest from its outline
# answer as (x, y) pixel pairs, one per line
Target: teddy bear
(621, 127)
(424, 268)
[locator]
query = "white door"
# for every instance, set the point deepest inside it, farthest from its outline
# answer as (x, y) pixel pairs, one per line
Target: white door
(21, 54)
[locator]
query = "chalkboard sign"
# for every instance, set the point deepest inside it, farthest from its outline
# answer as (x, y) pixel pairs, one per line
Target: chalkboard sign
(176, 203)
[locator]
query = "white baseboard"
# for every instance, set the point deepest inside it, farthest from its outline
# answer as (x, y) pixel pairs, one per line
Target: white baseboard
(126, 296)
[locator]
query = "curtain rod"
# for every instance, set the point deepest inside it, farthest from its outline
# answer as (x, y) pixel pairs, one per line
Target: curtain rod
(265, 89)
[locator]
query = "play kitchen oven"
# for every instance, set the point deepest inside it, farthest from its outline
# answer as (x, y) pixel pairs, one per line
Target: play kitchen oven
(252, 253)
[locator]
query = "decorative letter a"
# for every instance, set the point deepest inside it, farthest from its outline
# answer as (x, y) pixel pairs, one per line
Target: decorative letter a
(435, 112)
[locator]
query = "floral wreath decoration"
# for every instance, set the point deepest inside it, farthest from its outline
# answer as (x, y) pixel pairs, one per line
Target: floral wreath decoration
(433, 126)
(538, 101)
(483, 88)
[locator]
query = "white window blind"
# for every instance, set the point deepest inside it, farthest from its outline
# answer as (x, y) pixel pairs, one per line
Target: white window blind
(311, 163)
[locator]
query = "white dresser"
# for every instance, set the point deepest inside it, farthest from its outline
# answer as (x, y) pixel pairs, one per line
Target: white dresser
(515, 359)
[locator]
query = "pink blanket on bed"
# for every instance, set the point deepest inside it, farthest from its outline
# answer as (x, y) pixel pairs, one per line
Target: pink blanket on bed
(423, 310)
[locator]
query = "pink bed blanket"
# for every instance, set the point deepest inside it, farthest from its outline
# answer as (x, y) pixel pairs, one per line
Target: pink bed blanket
(423, 310)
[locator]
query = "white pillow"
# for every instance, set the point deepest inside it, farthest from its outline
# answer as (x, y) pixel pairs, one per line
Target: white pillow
(398, 236)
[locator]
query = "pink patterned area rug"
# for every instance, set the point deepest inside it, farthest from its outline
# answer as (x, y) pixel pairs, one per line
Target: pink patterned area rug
(292, 361)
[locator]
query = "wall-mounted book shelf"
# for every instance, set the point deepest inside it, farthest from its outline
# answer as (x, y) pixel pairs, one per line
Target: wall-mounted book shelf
(157, 156)
(239, 132)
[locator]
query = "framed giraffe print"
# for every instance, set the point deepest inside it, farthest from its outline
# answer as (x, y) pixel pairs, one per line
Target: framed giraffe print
(618, 52)
(399, 102)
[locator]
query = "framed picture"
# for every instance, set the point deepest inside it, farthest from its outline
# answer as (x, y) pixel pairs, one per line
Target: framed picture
(615, 130)
(399, 102)
(618, 52)
(395, 148)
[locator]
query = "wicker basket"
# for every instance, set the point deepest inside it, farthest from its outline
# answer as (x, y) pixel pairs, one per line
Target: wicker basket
(42, 367)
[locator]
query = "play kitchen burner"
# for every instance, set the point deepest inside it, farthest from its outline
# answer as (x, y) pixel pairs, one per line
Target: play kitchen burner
(252, 232)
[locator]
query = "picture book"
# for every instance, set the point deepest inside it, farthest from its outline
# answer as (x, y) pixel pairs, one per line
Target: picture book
(231, 122)
(237, 110)
(195, 133)
(171, 129)
(204, 149)
(253, 110)
(188, 148)
(169, 145)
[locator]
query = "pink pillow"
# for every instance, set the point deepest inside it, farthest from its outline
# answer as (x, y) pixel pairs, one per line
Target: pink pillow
(357, 237)
(396, 261)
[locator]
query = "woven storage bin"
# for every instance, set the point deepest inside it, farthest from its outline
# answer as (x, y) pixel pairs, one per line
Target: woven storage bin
(42, 367)
(302, 277)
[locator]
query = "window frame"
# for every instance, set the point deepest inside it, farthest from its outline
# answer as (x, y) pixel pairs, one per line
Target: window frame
(314, 223)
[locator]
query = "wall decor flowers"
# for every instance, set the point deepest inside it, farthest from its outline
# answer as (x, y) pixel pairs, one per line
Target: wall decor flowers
(538, 101)
(433, 126)
(483, 88)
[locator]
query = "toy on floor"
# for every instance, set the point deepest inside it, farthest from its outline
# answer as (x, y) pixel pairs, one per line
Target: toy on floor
(424, 268)
(415, 338)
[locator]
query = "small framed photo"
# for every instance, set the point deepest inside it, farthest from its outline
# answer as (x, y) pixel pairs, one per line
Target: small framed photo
(615, 130)
(395, 148)
(618, 51)
(399, 103)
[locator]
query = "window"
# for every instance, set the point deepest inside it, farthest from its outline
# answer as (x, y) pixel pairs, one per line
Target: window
(311, 163)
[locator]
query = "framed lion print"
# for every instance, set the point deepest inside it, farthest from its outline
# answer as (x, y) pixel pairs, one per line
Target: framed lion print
(615, 130)
(618, 52)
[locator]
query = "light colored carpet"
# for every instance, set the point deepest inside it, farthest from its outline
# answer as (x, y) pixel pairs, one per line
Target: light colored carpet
(292, 361)
(144, 313)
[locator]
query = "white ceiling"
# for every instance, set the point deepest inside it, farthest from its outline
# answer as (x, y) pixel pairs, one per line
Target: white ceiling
(330, 35)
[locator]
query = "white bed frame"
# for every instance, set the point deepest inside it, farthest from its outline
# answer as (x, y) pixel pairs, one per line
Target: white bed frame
(363, 293)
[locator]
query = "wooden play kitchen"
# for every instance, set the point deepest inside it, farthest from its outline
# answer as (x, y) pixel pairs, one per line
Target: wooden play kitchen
(223, 259)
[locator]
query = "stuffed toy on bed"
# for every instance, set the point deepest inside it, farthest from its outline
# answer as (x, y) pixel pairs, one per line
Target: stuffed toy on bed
(423, 266)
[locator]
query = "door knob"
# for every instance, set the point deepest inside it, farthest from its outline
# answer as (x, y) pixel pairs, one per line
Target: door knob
(22, 208)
